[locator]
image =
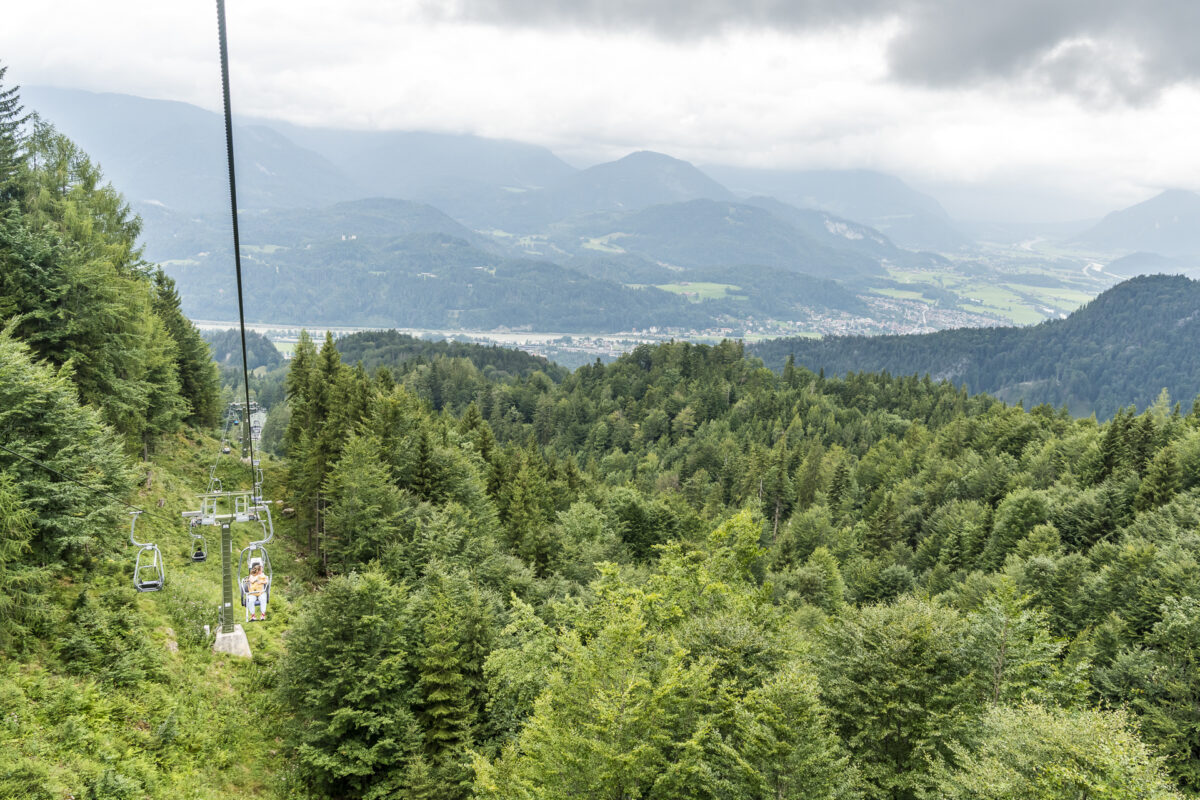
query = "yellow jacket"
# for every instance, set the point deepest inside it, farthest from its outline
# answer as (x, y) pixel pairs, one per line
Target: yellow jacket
(257, 584)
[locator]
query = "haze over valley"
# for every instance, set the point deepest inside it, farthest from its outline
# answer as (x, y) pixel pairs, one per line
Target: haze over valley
(442, 232)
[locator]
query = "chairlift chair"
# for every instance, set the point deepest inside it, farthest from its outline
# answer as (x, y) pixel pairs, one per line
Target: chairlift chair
(256, 553)
(148, 572)
(199, 544)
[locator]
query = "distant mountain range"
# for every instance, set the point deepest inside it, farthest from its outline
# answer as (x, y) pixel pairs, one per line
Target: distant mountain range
(766, 244)
(391, 263)
(1167, 224)
(632, 183)
(164, 153)
(1132, 341)
(908, 217)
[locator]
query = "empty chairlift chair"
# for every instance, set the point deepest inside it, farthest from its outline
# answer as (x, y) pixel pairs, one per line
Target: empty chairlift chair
(148, 573)
(199, 543)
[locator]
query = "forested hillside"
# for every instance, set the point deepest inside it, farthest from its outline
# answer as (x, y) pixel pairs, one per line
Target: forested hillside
(1122, 348)
(680, 575)
(103, 694)
(391, 349)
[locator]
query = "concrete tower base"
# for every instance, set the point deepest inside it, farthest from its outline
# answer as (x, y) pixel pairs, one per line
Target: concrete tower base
(233, 643)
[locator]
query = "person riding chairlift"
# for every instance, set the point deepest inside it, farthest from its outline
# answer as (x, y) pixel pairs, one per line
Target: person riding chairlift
(256, 590)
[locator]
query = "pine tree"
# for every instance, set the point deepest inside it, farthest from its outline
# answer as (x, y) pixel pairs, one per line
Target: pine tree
(12, 120)
(778, 493)
(882, 530)
(346, 678)
(444, 709)
(42, 419)
(198, 381)
(1162, 480)
(20, 580)
(364, 506)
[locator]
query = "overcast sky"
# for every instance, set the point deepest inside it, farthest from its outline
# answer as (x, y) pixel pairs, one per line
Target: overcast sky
(1013, 109)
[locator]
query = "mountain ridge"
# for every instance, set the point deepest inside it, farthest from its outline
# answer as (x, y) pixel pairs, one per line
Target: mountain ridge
(1124, 346)
(1168, 224)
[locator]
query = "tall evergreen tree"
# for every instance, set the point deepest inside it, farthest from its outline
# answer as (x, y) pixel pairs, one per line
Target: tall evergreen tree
(445, 710)
(20, 580)
(12, 120)
(198, 383)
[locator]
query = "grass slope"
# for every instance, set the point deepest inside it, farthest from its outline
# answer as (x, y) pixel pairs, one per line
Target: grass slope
(121, 696)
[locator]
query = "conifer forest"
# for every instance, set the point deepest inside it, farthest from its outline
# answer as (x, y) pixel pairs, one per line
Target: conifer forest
(677, 575)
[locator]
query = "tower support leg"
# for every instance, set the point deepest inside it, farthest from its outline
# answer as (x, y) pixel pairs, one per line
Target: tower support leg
(231, 637)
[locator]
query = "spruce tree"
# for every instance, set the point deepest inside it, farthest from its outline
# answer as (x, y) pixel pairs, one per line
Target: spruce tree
(12, 120)
(198, 382)
(445, 710)
(20, 580)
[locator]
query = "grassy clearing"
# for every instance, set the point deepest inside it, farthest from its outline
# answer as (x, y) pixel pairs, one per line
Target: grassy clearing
(604, 244)
(287, 348)
(902, 294)
(1000, 300)
(699, 290)
(1072, 298)
(154, 713)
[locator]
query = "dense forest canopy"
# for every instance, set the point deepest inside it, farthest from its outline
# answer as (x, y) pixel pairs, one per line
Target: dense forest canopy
(1123, 347)
(679, 575)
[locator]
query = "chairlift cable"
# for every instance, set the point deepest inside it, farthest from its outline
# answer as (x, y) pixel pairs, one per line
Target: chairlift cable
(237, 249)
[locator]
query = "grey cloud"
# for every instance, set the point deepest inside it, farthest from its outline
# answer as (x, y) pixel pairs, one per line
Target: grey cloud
(1102, 51)
(674, 19)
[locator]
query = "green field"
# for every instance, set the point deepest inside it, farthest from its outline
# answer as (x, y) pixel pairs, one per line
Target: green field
(604, 243)
(1022, 303)
(902, 294)
(700, 290)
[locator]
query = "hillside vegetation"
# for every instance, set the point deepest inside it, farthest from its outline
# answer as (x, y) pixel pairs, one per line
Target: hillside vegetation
(680, 575)
(1122, 348)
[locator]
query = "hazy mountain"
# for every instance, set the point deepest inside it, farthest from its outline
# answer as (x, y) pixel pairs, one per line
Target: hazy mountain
(161, 152)
(172, 235)
(466, 176)
(1168, 223)
(637, 181)
(842, 234)
(907, 217)
(1146, 263)
(1123, 347)
(711, 233)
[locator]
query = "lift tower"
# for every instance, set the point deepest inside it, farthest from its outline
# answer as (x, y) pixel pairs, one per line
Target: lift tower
(225, 509)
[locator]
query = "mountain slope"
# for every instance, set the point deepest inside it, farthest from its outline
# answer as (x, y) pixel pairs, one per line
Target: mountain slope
(1168, 223)
(173, 154)
(908, 217)
(637, 181)
(710, 233)
(842, 234)
(171, 235)
(1123, 347)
